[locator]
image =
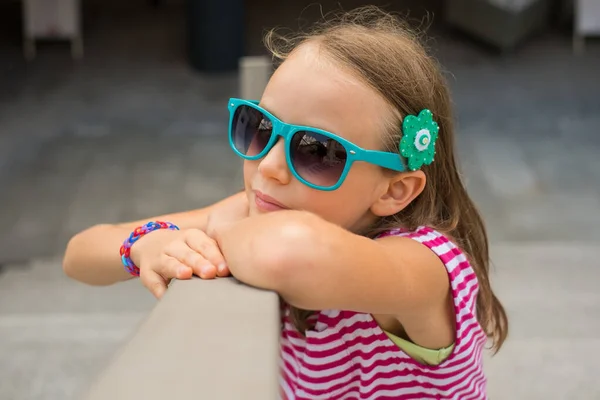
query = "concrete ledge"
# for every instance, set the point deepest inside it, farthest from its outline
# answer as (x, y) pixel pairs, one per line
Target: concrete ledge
(204, 340)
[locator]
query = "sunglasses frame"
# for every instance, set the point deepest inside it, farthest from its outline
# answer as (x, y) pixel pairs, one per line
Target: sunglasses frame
(354, 153)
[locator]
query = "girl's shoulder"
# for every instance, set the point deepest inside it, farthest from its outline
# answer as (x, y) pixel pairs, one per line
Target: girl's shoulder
(435, 240)
(420, 232)
(451, 255)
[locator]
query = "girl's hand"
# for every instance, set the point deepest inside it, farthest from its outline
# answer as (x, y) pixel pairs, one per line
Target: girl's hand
(163, 255)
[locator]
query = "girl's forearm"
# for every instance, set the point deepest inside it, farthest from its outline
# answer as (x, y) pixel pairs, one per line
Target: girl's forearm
(92, 256)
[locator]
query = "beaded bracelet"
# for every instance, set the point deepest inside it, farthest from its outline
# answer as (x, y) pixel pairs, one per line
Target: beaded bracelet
(140, 231)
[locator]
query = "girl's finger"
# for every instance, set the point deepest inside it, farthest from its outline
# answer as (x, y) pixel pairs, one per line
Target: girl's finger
(223, 270)
(155, 283)
(186, 256)
(208, 271)
(173, 268)
(201, 243)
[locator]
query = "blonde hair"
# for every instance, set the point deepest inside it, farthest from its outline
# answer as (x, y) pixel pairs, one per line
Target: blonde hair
(381, 50)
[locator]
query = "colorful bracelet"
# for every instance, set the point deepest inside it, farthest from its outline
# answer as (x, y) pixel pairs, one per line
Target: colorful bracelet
(140, 231)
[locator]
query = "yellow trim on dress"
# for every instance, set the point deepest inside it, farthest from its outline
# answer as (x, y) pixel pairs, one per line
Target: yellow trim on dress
(421, 354)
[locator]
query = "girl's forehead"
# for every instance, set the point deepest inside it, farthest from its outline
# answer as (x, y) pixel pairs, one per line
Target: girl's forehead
(310, 89)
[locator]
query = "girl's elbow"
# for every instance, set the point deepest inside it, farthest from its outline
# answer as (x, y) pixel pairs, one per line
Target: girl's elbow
(68, 262)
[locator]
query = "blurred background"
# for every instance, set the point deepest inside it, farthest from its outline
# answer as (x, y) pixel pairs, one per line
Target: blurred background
(124, 117)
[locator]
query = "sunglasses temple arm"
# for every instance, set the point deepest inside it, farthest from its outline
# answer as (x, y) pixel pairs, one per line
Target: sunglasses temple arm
(384, 159)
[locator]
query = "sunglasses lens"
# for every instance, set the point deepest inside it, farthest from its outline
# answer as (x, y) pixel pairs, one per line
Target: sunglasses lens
(250, 130)
(318, 159)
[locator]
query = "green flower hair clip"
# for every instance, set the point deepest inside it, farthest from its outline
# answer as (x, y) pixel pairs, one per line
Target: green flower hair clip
(419, 134)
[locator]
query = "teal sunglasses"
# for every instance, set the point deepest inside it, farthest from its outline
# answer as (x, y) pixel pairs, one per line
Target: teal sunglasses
(319, 159)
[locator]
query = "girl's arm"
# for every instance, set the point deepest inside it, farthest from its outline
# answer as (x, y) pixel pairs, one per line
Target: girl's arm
(316, 265)
(92, 256)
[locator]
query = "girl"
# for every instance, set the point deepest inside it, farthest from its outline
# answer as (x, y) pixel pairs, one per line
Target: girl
(353, 211)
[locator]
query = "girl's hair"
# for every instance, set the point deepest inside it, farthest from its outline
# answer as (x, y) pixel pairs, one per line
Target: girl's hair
(381, 50)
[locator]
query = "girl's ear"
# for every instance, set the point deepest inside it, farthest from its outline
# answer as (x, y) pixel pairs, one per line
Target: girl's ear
(402, 188)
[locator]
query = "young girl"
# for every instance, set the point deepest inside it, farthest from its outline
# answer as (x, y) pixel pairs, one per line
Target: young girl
(353, 211)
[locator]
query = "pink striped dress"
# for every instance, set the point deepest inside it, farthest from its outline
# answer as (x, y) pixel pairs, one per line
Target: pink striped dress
(348, 356)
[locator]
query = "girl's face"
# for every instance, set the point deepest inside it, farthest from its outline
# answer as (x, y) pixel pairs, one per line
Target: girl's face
(309, 90)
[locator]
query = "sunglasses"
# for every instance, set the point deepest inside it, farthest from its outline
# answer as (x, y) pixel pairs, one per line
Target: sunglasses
(317, 158)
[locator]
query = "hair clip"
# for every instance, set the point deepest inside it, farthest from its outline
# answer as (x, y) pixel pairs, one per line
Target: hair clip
(419, 134)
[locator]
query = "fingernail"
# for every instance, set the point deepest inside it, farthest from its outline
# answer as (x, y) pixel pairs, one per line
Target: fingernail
(207, 269)
(182, 270)
(222, 268)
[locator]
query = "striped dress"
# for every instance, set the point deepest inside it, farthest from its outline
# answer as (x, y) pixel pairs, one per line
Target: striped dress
(348, 356)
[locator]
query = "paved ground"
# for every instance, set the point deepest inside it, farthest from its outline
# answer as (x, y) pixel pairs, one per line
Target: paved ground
(131, 132)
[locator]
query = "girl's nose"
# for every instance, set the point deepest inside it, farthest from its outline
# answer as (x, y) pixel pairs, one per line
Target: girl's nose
(274, 165)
